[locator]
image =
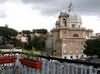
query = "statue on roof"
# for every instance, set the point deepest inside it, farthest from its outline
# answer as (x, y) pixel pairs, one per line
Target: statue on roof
(70, 7)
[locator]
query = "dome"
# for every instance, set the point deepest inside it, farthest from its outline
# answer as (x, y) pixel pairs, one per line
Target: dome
(72, 17)
(75, 18)
(69, 20)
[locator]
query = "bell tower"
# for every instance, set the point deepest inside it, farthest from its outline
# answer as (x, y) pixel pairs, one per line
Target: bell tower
(64, 18)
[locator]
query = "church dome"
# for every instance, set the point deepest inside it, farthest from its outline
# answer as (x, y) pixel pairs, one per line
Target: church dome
(74, 18)
(70, 20)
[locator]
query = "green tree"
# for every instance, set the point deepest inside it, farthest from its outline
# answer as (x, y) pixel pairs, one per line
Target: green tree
(92, 47)
(41, 31)
(8, 34)
(38, 42)
(26, 31)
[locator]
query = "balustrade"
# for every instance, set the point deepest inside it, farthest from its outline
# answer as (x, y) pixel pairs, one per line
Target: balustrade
(47, 65)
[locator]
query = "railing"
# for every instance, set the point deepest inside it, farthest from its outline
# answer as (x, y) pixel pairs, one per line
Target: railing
(52, 65)
(56, 67)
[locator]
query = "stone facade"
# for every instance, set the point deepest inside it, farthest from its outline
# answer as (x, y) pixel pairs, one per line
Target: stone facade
(69, 36)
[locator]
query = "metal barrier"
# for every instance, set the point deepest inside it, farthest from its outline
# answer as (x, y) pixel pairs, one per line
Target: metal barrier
(63, 66)
(56, 67)
(51, 65)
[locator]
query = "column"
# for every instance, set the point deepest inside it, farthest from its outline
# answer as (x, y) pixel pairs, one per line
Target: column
(90, 70)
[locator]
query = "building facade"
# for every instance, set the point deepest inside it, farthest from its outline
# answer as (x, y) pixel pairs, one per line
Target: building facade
(69, 37)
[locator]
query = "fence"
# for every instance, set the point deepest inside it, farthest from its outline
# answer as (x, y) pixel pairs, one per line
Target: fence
(51, 65)
(63, 66)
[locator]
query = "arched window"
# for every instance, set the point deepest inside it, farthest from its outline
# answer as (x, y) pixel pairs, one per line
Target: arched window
(75, 35)
(64, 20)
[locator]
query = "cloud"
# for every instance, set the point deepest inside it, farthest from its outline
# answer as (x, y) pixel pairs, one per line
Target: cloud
(3, 1)
(2, 14)
(47, 7)
(28, 14)
(2, 11)
(87, 7)
(50, 7)
(37, 1)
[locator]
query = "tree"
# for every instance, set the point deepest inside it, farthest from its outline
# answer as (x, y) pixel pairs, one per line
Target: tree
(26, 31)
(38, 42)
(92, 47)
(8, 34)
(38, 39)
(41, 31)
(4, 31)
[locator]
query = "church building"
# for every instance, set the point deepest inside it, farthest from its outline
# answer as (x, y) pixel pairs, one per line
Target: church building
(68, 37)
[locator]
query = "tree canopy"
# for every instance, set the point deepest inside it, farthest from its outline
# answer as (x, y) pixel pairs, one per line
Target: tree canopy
(7, 34)
(26, 31)
(42, 31)
(38, 43)
(4, 31)
(92, 47)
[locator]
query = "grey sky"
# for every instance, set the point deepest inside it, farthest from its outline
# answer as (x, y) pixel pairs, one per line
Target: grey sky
(3, 1)
(2, 14)
(22, 13)
(50, 7)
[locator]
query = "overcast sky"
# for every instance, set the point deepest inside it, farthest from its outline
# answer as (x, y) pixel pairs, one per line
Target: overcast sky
(30, 14)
